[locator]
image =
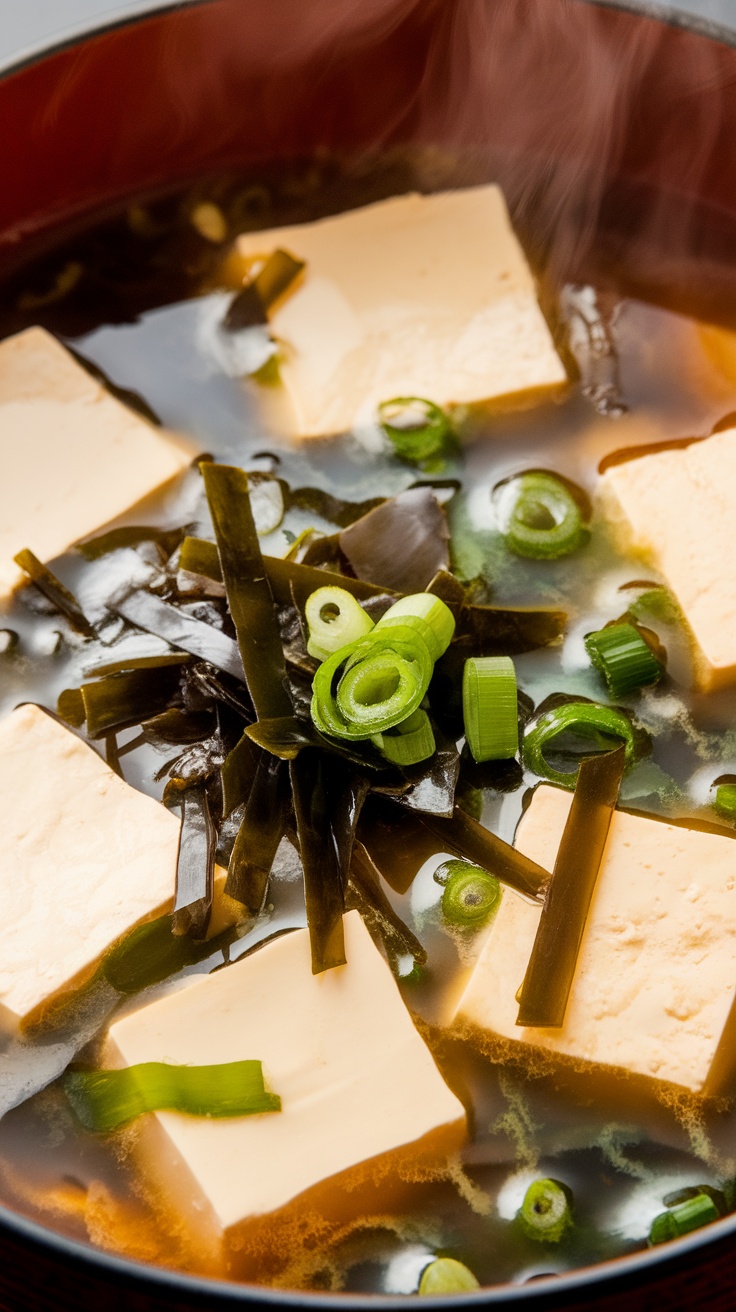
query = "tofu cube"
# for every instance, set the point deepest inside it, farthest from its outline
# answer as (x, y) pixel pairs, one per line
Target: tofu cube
(359, 1089)
(656, 975)
(83, 859)
(425, 296)
(74, 457)
(677, 510)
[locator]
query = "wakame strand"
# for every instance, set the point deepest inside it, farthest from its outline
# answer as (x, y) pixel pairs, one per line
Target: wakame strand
(490, 707)
(417, 429)
(104, 1101)
(540, 517)
(578, 717)
(54, 591)
(624, 659)
(554, 955)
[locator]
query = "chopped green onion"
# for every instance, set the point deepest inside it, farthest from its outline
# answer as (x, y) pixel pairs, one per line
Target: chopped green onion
(540, 517)
(334, 618)
(427, 614)
(624, 659)
(580, 718)
(416, 428)
(682, 1218)
(381, 680)
(446, 1276)
(657, 604)
(105, 1100)
(471, 895)
(724, 801)
(546, 1212)
(378, 688)
(410, 742)
(490, 707)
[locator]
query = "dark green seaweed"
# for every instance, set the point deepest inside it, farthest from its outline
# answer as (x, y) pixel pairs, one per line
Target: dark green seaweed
(364, 893)
(323, 890)
(131, 535)
(55, 592)
(397, 840)
(151, 953)
(120, 700)
(400, 545)
(467, 838)
(288, 735)
(334, 509)
(551, 968)
(292, 581)
(181, 630)
(137, 663)
(195, 869)
(197, 556)
(259, 835)
(248, 592)
(237, 775)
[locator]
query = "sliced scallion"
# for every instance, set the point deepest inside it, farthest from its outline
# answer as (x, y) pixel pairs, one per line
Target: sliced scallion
(334, 618)
(490, 707)
(472, 895)
(427, 614)
(546, 1212)
(417, 429)
(682, 1218)
(447, 1276)
(724, 801)
(540, 517)
(410, 742)
(624, 659)
(380, 681)
(582, 718)
(105, 1100)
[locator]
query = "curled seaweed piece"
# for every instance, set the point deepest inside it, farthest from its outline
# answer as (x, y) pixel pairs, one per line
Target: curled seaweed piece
(55, 592)
(323, 890)
(195, 867)
(415, 520)
(181, 630)
(549, 974)
(335, 510)
(247, 587)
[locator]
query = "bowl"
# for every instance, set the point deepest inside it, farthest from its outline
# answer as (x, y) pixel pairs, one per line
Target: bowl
(611, 133)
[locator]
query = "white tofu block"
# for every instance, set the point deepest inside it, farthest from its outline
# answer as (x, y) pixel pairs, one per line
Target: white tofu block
(656, 974)
(83, 859)
(356, 1082)
(415, 296)
(677, 509)
(73, 456)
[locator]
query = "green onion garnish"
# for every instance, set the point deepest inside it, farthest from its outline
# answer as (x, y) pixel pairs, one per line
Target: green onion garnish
(446, 1276)
(684, 1217)
(410, 742)
(724, 801)
(371, 685)
(490, 708)
(334, 618)
(541, 519)
(105, 1100)
(471, 895)
(624, 659)
(416, 428)
(546, 1212)
(583, 718)
(429, 615)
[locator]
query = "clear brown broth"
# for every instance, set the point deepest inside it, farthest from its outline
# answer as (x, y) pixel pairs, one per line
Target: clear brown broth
(618, 1155)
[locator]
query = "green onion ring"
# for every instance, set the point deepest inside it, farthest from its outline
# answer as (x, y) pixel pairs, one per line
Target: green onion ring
(624, 659)
(545, 728)
(410, 742)
(490, 707)
(546, 1213)
(542, 519)
(334, 618)
(417, 429)
(429, 615)
(472, 895)
(447, 1276)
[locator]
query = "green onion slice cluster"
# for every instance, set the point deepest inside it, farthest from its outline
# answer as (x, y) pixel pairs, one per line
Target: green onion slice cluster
(417, 429)
(373, 686)
(541, 518)
(624, 658)
(583, 718)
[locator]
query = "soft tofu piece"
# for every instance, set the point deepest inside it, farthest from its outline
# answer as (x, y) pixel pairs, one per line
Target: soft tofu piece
(656, 974)
(677, 510)
(74, 457)
(83, 859)
(355, 1079)
(414, 296)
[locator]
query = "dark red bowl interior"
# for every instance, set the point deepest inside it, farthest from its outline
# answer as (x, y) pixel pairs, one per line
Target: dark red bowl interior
(612, 134)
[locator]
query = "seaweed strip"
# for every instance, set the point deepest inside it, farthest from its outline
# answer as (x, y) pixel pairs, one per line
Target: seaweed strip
(193, 636)
(449, 589)
(200, 557)
(179, 726)
(237, 775)
(195, 867)
(349, 790)
(400, 545)
(288, 735)
(397, 841)
(323, 890)
(506, 631)
(334, 509)
(290, 580)
(112, 754)
(259, 835)
(70, 707)
(248, 592)
(138, 663)
(467, 838)
(554, 955)
(130, 535)
(364, 892)
(121, 700)
(51, 587)
(151, 953)
(433, 791)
